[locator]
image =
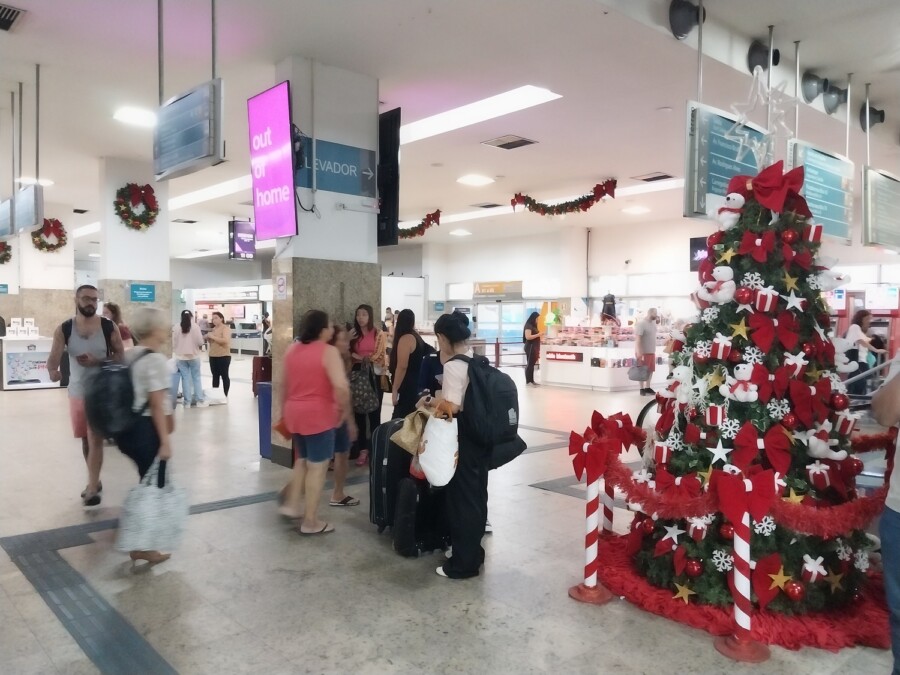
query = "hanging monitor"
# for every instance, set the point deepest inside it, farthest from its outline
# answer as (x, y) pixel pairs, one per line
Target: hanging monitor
(28, 208)
(241, 240)
(6, 218)
(188, 136)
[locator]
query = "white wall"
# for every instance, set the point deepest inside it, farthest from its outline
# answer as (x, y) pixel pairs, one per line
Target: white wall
(400, 261)
(403, 293)
(207, 274)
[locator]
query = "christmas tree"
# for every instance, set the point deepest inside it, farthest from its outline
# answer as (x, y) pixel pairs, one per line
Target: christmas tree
(755, 420)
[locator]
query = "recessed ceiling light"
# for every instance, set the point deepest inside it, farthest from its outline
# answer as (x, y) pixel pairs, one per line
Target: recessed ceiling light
(479, 111)
(93, 255)
(28, 180)
(85, 230)
(664, 109)
(635, 210)
(203, 254)
(461, 233)
(223, 189)
(475, 180)
(138, 117)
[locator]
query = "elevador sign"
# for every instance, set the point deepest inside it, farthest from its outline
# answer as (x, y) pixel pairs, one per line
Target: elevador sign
(339, 168)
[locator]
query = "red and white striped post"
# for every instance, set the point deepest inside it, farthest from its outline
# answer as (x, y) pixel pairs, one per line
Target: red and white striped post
(608, 499)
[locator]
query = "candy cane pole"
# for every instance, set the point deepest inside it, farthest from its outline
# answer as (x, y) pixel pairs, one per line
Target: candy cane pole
(608, 500)
(741, 646)
(591, 591)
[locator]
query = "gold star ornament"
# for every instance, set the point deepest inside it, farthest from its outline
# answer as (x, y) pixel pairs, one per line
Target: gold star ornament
(794, 498)
(834, 579)
(780, 579)
(726, 256)
(790, 283)
(739, 329)
(683, 593)
(715, 379)
(705, 475)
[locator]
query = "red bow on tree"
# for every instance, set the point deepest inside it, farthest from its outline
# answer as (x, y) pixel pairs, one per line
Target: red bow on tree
(796, 203)
(759, 246)
(683, 486)
(811, 402)
(590, 457)
(52, 227)
(765, 330)
(693, 435)
(739, 495)
(704, 272)
(772, 188)
(666, 419)
(770, 383)
(824, 349)
(775, 443)
(762, 583)
(803, 259)
(617, 426)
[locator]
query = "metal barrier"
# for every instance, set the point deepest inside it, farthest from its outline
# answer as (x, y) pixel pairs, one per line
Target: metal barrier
(506, 357)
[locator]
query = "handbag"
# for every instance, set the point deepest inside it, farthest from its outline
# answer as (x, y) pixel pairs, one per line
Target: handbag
(385, 382)
(639, 373)
(362, 391)
(409, 436)
(152, 517)
(439, 450)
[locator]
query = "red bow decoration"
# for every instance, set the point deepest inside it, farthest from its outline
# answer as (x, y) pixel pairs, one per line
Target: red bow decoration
(52, 227)
(803, 259)
(765, 330)
(772, 188)
(762, 582)
(775, 443)
(758, 246)
(693, 435)
(666, 419)
(664, 546)
(796, 203)
(824, 349)
(608, 187)
(771, 383)
(811, 402)
(590, 457)
(683, 486)
(679, 560)
(739, 495)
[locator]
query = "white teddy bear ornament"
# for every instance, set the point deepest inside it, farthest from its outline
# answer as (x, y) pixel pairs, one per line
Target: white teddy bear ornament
(740, 388)
(721, 289)
(680, 384)
(729, 214)
(841, 362)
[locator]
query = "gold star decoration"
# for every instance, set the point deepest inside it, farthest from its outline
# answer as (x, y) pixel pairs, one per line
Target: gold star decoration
(794, 498)
(789, 434)
(739, 329)
(814, 374)
(683, 593)
(780, 579)
(726, 256)
(834, 579)
(715, 379)
(705, 475)
(790, 283)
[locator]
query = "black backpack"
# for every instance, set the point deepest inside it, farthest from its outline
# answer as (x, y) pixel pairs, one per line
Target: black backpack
(492, 411)
(106, 326)
(109, 399)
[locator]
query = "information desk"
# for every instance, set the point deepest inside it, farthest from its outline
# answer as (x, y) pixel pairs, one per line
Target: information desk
(601, 368)
(248, 342)
(24, 363)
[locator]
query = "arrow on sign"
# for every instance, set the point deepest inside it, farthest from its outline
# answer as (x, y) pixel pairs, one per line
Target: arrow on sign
(368, 172)
(703, 161)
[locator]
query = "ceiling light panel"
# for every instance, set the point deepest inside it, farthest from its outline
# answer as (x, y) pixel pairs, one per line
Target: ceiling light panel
(136, 117)
(475, 180)
(635, 210)
(461, 233)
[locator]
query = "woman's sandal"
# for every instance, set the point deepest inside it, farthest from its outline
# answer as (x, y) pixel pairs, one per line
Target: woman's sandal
(327, 528)
(346, 501)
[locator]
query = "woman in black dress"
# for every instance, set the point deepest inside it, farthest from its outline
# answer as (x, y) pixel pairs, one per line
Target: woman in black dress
(405, 363)
(532, 339)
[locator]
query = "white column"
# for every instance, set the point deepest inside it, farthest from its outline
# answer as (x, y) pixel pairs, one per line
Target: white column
(46, 270)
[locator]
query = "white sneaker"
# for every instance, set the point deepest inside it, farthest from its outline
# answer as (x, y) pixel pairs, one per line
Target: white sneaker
(488, 528)
(202, 404)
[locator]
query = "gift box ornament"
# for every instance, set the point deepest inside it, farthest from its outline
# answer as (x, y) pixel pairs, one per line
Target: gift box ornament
(819, 475)
(766, 299)
(813, 569)
(845, 422)
(813, 232)
(721, 347)
(697, 528)
(714, 415)
(662, 453)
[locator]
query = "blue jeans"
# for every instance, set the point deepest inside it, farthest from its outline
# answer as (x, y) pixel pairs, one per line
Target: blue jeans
(190, 380)
(889, 530)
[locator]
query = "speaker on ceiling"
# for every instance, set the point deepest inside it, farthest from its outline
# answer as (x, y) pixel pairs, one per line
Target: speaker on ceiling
(812, 85)
(758, 55)
(683, 16)
(833, 98)
(875, 117)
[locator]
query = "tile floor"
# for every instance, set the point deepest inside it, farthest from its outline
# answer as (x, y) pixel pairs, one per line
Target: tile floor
(245, 595)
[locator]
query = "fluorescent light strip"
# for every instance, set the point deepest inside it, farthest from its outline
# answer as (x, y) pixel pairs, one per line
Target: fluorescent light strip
(223, 189)
(473, 113)
(28, 180)
(136, 117)
(203, 254)
(85, 230)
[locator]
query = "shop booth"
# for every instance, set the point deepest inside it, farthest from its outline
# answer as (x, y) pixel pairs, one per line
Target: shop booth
(23, 356)
(243, 308)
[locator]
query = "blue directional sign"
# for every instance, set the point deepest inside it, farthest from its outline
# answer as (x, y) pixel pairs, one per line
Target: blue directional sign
(143, 292)
(4, 289)
(827, 186)
(339, 168)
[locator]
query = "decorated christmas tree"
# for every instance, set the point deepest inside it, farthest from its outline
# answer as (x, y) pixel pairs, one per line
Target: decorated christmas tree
(749, 503)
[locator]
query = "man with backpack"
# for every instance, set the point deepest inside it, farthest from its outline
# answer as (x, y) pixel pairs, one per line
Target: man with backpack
(89, 339)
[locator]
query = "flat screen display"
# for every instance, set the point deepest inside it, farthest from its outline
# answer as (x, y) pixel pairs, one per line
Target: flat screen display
(241, 240)
(6, 216)
(28, 206)
(698, 252)
(272, 163)
(188, 133)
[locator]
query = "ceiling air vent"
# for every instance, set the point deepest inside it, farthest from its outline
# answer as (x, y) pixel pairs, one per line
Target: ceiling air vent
(485, 205)
(653, 177)
(509, 142)
(186, 222)
(8, 16)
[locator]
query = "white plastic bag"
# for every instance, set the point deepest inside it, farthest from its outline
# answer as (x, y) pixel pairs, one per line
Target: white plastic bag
(439, 450)
(152, 517)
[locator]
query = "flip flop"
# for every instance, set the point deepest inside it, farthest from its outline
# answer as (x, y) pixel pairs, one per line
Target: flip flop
(346, 501)
(327, 528)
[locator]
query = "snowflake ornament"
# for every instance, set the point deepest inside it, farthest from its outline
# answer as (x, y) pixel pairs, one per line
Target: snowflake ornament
(703, 348)
(675, 441)
(723, 561)
(837, 384)
(861, 561)
(753, 355)
(778, 408)
(814, 283)
(765, 527)
(642, 476)
(710, 315)
(729, 428)
(844, 552)
(753, 280)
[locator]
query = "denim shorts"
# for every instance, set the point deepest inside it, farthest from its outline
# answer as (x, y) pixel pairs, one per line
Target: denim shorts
(342, 439)
(316, 447)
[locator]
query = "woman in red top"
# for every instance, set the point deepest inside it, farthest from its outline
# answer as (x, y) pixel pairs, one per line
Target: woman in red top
(316, 403)
(367, 346)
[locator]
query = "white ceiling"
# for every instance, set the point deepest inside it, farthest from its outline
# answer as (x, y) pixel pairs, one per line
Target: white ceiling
(613, 72)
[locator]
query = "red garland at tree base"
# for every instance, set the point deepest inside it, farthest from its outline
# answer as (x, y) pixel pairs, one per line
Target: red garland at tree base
(431, 219)
(864, 623)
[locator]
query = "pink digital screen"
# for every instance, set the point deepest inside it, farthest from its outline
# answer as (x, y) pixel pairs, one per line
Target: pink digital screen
(272, 163)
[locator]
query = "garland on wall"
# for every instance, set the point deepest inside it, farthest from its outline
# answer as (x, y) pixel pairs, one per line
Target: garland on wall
(131, 197)
(5, 253)
(51, 237)
(430, 220)
(579, 205)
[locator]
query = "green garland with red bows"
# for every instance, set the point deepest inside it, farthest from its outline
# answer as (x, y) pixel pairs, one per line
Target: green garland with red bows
(131, 197)
(428, 221)
(5, 253)
(579, 205)
(51, 228)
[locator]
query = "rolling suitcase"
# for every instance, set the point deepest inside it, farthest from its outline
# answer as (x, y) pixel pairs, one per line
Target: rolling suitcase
(389, 463)
(418, 520)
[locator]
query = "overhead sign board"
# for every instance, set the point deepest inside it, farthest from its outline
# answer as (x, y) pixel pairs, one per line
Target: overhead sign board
(712, 158)
(827, 186)
(498, 290)
(339, 168)
(881, 208)
(143, 292)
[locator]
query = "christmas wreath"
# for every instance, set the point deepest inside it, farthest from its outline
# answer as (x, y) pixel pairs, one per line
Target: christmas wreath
(52, 228)
(5, 253)
(131, 197)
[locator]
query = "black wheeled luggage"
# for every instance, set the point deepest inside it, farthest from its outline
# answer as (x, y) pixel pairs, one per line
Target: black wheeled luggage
(389, 463)
(418, 521)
